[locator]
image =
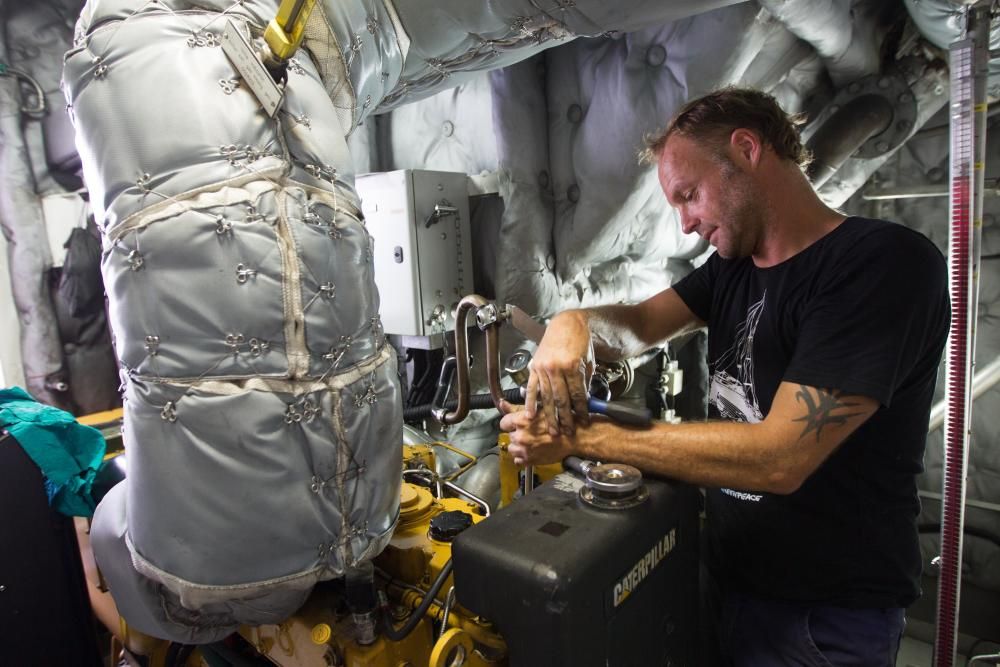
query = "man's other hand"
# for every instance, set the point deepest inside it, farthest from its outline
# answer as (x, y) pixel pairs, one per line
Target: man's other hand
(531, 442)
(560, 374)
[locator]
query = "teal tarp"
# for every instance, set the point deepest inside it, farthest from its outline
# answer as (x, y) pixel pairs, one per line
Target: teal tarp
(67, 452)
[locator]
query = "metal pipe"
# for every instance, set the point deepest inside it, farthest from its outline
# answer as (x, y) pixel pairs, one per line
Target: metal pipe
(441, 484)
(991, 187)
(904, 192)
(930, 90)
(979, 504)
(529, 480)
(489, 317)
(472, 301)
(398, 634)
(984, 380)
(848, 54)
(476, 402)
(844, 133)
(411, 596)
(493, 365)
(449, 599)
(470, 496)
(428, 475)
(929, 132)
(28, 254)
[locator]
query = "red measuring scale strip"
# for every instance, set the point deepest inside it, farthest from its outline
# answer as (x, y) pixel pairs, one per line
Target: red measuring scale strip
(959, 351)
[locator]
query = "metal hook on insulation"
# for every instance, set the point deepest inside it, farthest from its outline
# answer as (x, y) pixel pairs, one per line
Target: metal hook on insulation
(40, 108)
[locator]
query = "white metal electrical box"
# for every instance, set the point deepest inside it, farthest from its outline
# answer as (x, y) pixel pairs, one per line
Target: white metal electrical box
(419, 221)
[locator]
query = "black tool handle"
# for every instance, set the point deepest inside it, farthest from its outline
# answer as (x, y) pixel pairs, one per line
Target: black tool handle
(621, 412)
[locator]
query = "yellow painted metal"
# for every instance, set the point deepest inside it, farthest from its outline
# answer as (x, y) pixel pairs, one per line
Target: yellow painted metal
(453, 646)
(548, 471)
(98, 419)
(471, 460)
(508, 471)
(284, 33)
(510, 480)
(294, 643)
(410, 650)
(418, 456)
(152, 648)
(412, 556)
(322, 631)
(459, 617)
(422, 456)
(416, 504)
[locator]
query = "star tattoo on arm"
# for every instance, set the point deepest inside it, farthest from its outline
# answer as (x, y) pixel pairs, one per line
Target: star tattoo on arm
(821, 406)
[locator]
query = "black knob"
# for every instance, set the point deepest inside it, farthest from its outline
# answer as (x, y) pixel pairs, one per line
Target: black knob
(447, 525)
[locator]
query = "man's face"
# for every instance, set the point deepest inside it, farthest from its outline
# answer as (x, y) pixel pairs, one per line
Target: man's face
(713, 196)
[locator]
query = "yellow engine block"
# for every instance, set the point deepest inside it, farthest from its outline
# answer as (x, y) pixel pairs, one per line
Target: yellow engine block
(323, 633)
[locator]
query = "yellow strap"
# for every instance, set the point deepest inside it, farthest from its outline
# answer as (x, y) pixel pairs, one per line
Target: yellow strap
(285, 32)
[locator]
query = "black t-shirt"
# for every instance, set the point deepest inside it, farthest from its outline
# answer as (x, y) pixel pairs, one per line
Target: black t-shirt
(863, 310)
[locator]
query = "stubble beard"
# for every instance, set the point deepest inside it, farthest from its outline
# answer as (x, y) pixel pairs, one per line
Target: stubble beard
(744, 217)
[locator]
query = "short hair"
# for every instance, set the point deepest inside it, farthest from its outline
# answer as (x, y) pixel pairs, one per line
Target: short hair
(713, 118)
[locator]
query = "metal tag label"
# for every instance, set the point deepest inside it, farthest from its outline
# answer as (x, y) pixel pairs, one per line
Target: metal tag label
(246, 62)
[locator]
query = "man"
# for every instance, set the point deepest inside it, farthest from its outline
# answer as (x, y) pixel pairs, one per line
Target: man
(825, 334)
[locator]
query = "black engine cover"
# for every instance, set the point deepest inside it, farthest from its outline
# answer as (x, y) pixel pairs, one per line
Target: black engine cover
(569, 584)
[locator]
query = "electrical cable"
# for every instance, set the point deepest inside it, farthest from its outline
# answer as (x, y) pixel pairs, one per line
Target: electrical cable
(401, 633)
(177, 654)
(476, 402)
(417, 388)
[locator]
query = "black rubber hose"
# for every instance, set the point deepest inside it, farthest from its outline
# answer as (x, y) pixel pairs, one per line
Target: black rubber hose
(219, 653)
(445, 380)
(476, 402)
(398, 635)
(843, 133)
(577, 465)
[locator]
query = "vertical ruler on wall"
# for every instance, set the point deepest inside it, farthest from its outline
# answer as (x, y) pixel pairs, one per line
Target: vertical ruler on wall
(968, 152)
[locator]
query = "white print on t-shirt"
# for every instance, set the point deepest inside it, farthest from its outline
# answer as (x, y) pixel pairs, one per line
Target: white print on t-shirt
(743, 495)
(735, 398)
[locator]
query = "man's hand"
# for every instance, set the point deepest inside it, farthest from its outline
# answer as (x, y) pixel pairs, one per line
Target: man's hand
(560, 373)
(531, 443)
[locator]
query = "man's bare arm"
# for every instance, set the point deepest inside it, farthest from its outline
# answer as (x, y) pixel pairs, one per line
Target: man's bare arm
(561, 368)
(805, 425)
(622, 332)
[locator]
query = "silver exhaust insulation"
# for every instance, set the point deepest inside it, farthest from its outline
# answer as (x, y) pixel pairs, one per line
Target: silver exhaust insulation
(263, 416)
(23, 226)
(848, 51)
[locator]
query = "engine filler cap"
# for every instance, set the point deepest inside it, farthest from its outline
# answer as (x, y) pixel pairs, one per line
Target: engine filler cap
(447, 525)
(614, 486)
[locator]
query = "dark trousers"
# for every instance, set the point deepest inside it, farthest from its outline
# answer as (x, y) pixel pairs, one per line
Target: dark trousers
(761, 633)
